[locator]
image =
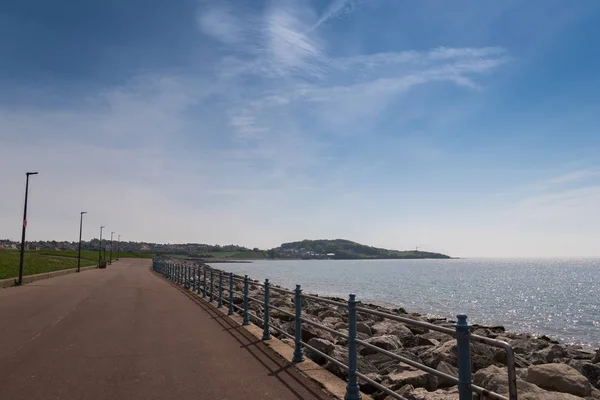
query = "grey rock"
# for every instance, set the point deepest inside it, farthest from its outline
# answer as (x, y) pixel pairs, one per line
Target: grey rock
(386, 342)
(444, 352)
(559, 378)
(449, 370)
(413, 377)
(410, 393)
(596, 358)
(331, 313)
(391, 328)
(363, 328)
(322, 345)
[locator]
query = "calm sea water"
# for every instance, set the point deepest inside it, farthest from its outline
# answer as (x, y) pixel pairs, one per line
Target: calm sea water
(559, 298)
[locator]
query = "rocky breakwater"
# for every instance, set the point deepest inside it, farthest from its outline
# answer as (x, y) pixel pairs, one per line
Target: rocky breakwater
(546, 369)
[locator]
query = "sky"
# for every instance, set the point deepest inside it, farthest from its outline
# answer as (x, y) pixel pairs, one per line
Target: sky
(470, 128)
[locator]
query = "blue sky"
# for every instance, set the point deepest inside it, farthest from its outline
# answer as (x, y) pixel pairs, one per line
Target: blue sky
(469, 127)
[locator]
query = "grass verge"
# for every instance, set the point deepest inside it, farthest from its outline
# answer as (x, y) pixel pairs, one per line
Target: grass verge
(37, 262)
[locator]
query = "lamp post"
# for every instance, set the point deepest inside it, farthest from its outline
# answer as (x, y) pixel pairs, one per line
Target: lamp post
(110, 253)
(100, 247)
(24, 227)
(119, 247)
(79, 251)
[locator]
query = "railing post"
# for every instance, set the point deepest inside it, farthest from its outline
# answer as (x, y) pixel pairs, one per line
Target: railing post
(463, 348)
(220, 289)
(212, 285)
(198, 269)
(298, 353)
(188, 276)
(204, 282)
(352, 389)
(230, 312)
(194, 278)
(266, 330)
(246, 318)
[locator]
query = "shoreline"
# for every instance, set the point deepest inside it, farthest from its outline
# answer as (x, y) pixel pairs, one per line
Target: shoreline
(433, 349)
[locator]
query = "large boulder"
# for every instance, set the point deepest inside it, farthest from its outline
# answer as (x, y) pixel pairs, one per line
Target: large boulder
(391, 328)
(559, 378)
(448, 370)
(387, 365)
(386, 342)
(322, 345)
(592, 373)
(340, 353)
(438, 336)
(411, 376)
(310, 331)
(496, 380)
(444, 352)
(527, 345)
(363, 328)
(410, 393)
(596, 358)
(331, 313)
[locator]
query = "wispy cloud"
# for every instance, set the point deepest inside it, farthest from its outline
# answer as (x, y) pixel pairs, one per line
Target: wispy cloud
(287, 46)
(220, 23)
(573, 176)
(335, 9)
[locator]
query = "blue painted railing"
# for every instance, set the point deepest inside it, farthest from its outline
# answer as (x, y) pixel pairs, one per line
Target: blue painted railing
(189, 277)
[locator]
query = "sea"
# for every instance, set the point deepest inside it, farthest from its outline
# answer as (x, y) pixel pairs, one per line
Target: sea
(558, 298)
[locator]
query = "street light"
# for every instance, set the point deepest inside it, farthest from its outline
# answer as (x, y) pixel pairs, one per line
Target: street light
(118, 248)
(24, 227)
(100, 247)
(111, 242)
(79, 252)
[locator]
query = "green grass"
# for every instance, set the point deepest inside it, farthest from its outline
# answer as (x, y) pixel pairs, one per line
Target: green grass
(233, 255)
(37, 262)
(224, 255)
(91, 254)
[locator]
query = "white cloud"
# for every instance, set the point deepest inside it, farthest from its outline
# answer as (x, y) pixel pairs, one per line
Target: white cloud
(245, 154)
(335, 9)
(220, 23)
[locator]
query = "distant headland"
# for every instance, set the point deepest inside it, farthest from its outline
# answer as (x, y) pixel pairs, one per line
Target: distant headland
(336, 249)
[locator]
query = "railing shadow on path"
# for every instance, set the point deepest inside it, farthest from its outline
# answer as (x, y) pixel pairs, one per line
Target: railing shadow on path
(277, 366)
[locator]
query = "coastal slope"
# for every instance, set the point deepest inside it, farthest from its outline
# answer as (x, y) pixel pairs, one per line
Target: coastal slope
(341, 249)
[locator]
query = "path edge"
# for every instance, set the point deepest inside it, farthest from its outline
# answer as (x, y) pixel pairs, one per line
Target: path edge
(328, 381)
(11, 282)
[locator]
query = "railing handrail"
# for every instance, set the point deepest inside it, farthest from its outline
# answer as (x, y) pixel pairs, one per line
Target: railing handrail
(189, 278)
(405, 320)
(324, 300)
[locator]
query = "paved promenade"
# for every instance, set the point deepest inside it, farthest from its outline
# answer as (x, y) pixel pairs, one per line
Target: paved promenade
(123, 334)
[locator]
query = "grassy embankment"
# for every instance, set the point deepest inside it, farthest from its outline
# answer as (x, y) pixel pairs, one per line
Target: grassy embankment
(37, 262)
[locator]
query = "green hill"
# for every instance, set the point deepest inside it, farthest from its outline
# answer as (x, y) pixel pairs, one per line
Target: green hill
(344, 250)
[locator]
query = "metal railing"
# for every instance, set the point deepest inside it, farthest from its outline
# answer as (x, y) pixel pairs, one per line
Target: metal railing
(189, 276)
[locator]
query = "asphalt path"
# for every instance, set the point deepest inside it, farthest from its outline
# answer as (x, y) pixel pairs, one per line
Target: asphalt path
(126, 333)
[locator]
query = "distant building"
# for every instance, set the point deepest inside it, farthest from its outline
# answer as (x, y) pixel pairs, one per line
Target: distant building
(330, 254)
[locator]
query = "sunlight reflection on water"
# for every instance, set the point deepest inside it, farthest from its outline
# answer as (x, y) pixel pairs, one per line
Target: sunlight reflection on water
(558, 298)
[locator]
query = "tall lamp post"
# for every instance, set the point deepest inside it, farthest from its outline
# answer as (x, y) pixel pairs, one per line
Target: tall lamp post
(79, 251)
(100, 247)
(24, 228)
(110, 253)
(118, 247)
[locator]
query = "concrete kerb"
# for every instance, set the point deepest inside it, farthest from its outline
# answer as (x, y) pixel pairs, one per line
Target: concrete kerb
(6, 283)
(331, 383)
